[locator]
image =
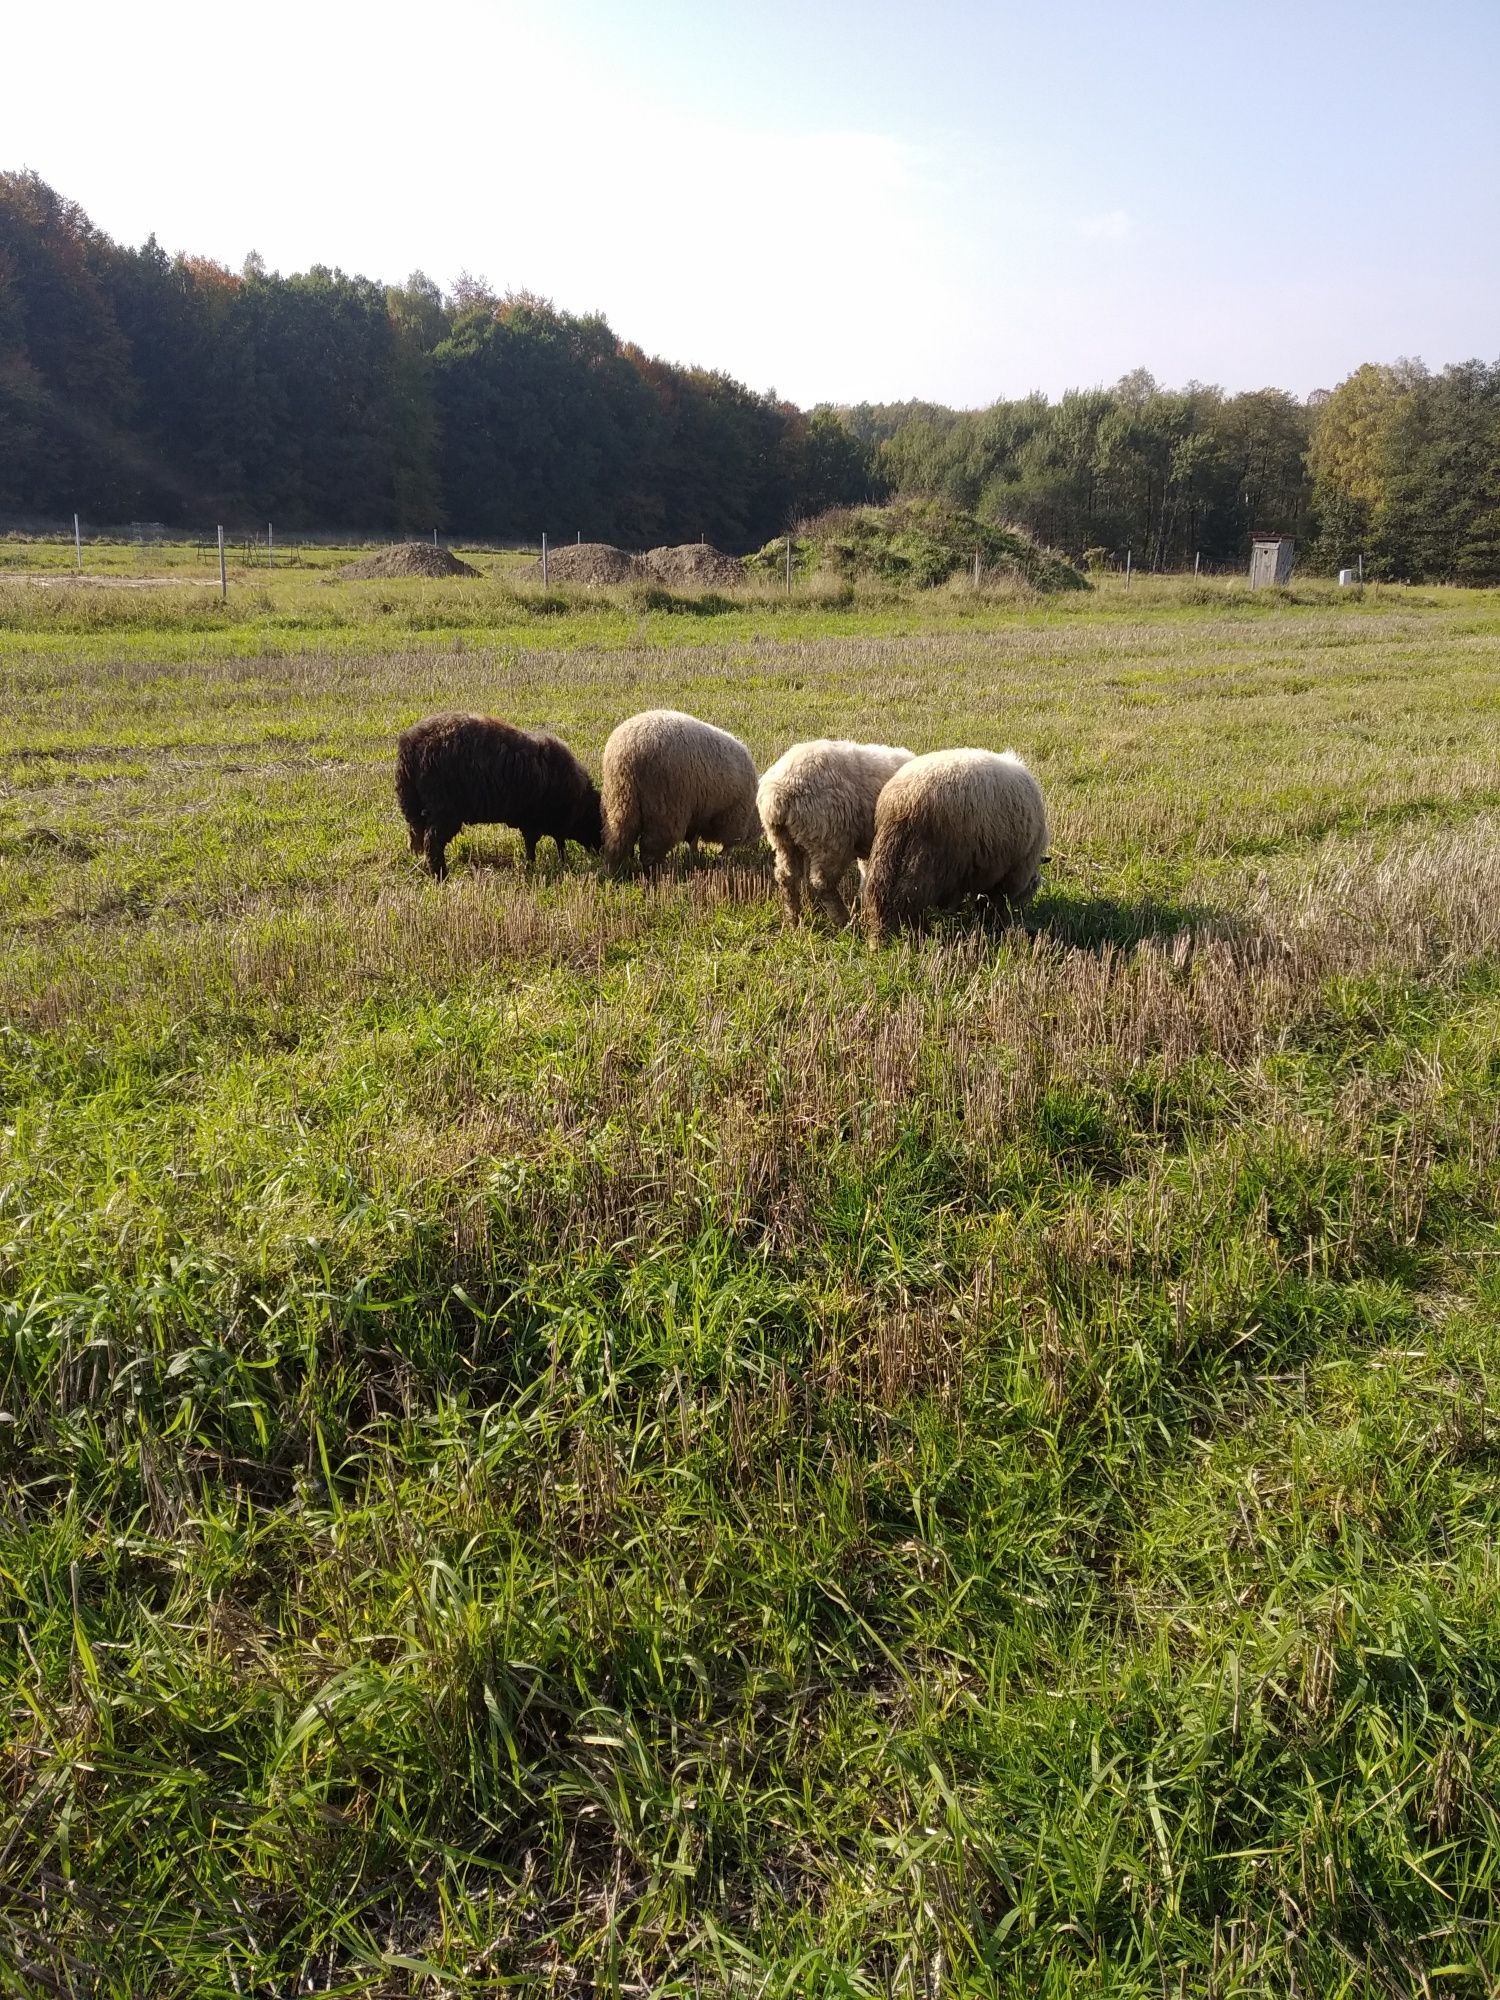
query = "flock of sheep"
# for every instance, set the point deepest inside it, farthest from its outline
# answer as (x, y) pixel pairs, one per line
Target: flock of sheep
(925, 831)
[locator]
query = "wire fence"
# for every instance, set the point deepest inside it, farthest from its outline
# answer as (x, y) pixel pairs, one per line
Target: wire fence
(262, 547)
(148, 544)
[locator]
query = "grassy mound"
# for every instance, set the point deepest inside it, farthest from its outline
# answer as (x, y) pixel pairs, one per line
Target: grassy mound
(919, 542)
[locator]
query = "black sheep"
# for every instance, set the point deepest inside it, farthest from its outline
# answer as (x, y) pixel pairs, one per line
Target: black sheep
(454, 771)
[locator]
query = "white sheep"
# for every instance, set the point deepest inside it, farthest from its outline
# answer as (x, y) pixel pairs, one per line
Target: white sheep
(817, 805)
(668, 777)
(952, 824)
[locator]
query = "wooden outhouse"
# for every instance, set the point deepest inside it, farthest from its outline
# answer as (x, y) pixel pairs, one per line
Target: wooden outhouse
(1270, 559)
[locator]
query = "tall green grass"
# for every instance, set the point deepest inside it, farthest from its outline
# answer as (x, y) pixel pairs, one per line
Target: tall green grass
(559, 1438)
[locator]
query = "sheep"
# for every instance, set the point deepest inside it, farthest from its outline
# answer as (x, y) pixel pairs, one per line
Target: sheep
(817, 805)
(951, 824)
(668, 777)
(467, 770)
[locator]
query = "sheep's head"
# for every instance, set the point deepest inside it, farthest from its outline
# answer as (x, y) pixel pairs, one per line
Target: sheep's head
(748, 832)
(588, 820)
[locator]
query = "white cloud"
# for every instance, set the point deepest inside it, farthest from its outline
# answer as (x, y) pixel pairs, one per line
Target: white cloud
(1113, 226)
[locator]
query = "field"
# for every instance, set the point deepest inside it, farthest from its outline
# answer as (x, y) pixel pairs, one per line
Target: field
(558, 1438)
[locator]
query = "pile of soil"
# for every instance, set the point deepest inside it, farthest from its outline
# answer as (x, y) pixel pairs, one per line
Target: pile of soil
(695, 563)
(408, 559)
(586, 562)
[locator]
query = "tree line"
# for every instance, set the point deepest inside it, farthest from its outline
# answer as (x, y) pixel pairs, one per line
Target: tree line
(1398, 467)
(134, 384)
(138, 385)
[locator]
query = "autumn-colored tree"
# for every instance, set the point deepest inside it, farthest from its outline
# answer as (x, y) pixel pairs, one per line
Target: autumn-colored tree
(1347, 453)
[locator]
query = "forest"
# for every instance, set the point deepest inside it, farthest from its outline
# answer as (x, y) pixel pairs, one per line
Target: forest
(141, 385)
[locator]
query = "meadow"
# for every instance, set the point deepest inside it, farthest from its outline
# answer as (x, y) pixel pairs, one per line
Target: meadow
(557, 1437)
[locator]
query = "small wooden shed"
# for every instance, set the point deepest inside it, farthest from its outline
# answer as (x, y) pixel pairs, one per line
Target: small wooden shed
(1270, 559)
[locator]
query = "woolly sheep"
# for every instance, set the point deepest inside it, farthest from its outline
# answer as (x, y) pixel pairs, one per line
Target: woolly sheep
(817, 805)
(454, 771)
(668, 777)
(952, 824)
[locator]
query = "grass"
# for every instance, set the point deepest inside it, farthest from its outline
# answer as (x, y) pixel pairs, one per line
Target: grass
(557, 1438)
(195, 559)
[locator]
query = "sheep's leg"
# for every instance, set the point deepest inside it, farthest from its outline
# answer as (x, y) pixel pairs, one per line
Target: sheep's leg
(825, 893)
(562, 851)
(416, 833)
(616, 856)
(826, 874)
(791, 865)
(655, 847)
(436, 840)
(530, 840)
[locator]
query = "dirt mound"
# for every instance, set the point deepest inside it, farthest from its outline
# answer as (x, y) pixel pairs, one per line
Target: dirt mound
(694, 563)
(408, 559)
(586, 562)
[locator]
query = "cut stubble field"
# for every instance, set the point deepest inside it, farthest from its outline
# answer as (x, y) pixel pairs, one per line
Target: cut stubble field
(560, 1437)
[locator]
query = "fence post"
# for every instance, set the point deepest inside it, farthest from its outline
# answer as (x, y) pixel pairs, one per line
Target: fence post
(976, 565)
(77, 544)
(223, 573)
(434, 538)
(1361, 565)
(788, 565)
(1127, 569)
(270, 546)
(544, 562)
(1197, 558)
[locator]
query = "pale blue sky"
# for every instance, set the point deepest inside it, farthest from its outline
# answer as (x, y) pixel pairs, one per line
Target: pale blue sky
(842, 202)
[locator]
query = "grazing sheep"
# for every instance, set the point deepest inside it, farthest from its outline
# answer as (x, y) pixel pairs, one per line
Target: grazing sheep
(669, 777)
(817, 805)
(952, 824)
(469, 770)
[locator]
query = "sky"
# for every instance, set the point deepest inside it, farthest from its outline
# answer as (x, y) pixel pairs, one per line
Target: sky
(841, 202)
